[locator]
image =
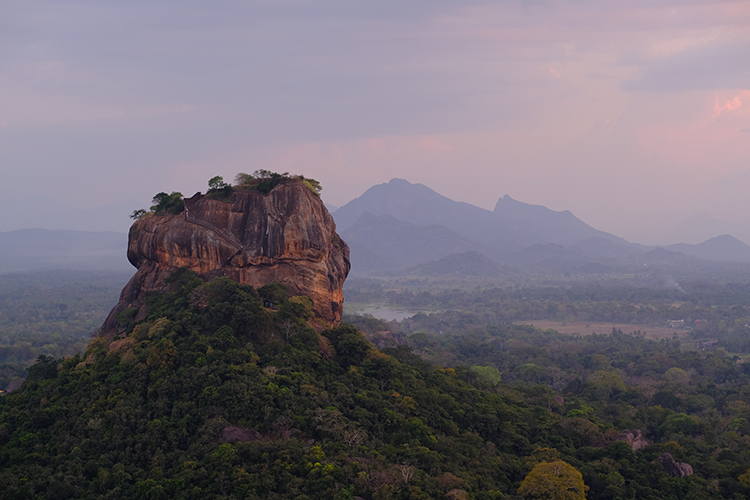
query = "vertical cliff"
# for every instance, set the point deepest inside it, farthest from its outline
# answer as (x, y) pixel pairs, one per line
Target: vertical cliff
(286, 235)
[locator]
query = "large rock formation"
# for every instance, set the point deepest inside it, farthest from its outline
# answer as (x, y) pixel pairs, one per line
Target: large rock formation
(284, 236)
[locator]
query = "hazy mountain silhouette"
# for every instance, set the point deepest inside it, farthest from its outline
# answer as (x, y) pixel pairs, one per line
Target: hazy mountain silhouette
(549, 256)
(421, 206)
(513, 225)
(607, 248)
(699, 227)
(471, 263)
(384, 243)
(400, 225)
(380, 244)
(723, 248)
(539, 224)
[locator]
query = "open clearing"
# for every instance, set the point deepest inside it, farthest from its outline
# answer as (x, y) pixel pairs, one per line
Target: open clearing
(583, 328)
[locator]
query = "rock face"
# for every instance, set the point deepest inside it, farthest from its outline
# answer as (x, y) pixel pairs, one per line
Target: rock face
(634, 438)
(674, 468)
(284, 236)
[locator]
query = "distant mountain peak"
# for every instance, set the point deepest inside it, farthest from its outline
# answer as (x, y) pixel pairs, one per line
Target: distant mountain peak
(399, 223)
(725, 248)
(724, 238)
(396, 182)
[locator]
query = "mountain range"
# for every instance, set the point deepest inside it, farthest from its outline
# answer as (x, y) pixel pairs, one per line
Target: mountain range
(400, 227)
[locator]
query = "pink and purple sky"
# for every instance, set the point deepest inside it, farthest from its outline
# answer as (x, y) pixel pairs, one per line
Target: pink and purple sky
(634, 115)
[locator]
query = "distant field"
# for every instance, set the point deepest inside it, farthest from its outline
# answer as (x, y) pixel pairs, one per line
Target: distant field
(583, 328)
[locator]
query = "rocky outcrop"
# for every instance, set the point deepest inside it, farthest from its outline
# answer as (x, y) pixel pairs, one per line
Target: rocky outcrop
(239, 435)
(634, 438)
(674, 468)
(284, 236)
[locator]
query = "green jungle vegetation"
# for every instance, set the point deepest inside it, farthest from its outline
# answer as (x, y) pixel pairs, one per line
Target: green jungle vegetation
(264, 181)
(515, 413)
(51, 313)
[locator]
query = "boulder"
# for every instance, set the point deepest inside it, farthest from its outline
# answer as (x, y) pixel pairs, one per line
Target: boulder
(674, 468)
(286, 236)
(634, 438)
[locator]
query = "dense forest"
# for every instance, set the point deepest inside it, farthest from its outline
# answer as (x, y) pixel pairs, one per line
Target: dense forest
(215, 396)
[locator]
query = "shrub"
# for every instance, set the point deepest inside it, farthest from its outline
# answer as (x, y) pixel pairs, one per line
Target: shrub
(138, 214)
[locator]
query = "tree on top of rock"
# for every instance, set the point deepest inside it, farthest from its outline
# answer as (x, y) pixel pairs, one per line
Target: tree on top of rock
(164, 203)
(216, 183)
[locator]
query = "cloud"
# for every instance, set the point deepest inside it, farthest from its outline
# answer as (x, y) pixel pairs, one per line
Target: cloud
(729, 105)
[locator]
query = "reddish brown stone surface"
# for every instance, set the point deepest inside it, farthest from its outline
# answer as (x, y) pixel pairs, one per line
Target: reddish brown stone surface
(286, 236)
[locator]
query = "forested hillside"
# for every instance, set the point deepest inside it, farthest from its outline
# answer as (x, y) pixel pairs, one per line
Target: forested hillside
(215, 396)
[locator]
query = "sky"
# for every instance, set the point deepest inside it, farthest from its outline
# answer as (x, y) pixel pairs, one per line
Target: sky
(634, 115)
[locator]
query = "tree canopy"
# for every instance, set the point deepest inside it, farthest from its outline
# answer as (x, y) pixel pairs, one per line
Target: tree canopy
(556, 480)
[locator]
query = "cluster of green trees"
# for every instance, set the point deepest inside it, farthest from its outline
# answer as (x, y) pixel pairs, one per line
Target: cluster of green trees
(260, 180)
(163, 204)
(265, 180)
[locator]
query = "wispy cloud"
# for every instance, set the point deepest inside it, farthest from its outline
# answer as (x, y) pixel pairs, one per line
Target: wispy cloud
(729, 105)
